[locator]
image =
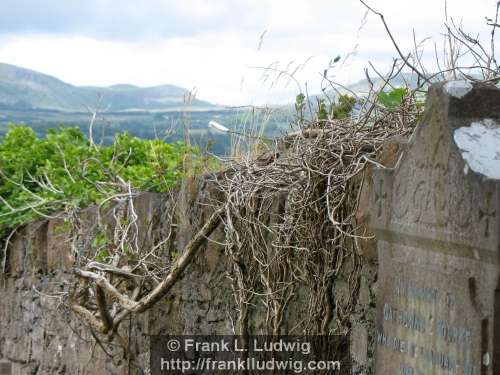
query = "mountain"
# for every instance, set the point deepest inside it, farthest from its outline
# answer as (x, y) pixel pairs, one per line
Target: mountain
(27, 89)
(401, 80)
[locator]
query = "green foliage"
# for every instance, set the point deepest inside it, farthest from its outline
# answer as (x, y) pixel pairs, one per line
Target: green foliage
(63, 171)
(165, 125)
(102, 256)
(339, 109)
(322, 113)
(100, 240)
(343, 107)
(393, 98)
(300, 105)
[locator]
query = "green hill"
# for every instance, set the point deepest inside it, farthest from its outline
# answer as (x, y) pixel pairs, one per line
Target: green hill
(27, 89)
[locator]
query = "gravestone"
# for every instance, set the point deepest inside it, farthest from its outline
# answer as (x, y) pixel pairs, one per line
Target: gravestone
(436, 219)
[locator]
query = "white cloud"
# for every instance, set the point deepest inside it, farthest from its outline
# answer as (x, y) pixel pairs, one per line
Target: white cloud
(220, 58)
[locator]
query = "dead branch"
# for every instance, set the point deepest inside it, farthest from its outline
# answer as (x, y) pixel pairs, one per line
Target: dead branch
(104, 322)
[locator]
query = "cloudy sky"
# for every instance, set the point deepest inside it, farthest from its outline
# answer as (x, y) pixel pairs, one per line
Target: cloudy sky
(219, 47)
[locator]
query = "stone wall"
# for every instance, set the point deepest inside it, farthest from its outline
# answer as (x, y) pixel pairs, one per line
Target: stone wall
(38, 336)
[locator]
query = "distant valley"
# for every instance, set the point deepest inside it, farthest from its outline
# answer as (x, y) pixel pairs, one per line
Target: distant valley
(42, 102)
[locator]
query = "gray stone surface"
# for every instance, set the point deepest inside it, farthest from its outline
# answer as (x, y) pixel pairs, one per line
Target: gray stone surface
(437, 226)
(38, 337)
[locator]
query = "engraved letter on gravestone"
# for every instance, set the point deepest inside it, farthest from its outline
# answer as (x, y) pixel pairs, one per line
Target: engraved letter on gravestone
(436, 219)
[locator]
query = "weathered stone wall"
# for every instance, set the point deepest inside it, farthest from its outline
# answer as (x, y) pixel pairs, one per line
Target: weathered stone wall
(39, 337)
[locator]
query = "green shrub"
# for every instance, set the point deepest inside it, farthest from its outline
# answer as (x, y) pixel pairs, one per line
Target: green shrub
(338, 109)
(63, 171)
(393, 98)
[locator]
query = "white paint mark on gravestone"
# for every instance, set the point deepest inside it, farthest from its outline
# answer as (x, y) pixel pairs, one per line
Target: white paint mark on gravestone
(479, 144)
(458, 89)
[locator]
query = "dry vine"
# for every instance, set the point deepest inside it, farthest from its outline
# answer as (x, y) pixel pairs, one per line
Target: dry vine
(289, 217)
(142, 270)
